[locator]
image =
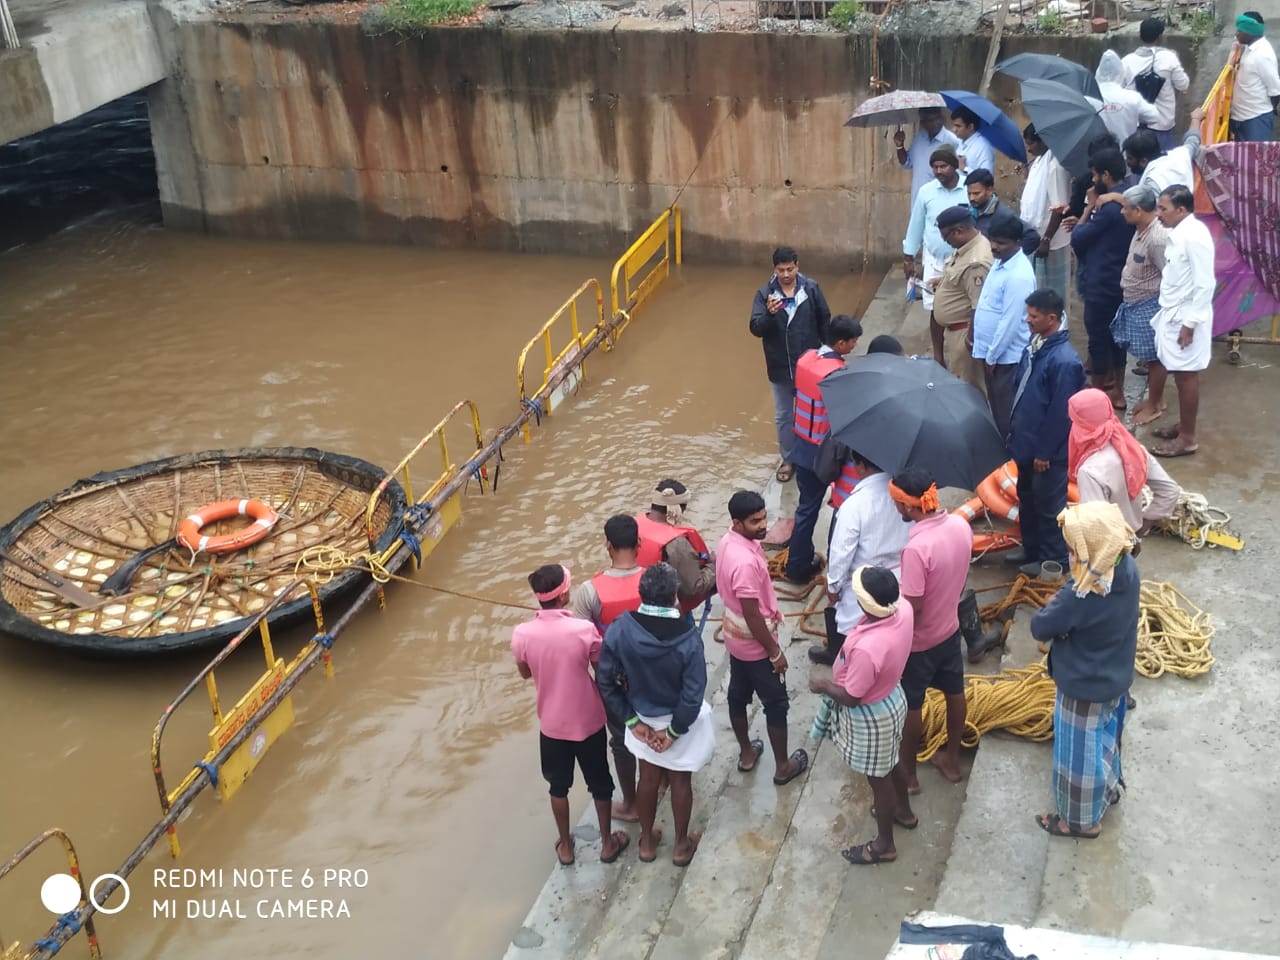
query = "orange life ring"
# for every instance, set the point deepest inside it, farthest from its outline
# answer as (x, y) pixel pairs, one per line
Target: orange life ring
(991, 491)
(971, 509)
(990, 542)
(264, 518)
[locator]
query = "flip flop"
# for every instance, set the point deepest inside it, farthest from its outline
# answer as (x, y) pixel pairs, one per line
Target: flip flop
(623, 841)
(1167, 433)
(758, 747)
(865, 855)
(563, 861)
(784, 473)
(657, 838)
(1169, 450)
(694, 838)
(915, 822)
(1050, 822)
(802, 764)
(1147, 416)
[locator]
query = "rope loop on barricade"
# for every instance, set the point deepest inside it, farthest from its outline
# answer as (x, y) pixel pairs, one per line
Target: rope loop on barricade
(533, 407)
(324, 639)
(208, 768)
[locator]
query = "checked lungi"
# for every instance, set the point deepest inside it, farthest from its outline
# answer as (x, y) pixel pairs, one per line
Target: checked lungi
(1086, 758)
(1132, 328)
(870, 734)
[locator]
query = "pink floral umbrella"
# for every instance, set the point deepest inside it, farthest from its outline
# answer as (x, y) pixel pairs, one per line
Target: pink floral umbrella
(893, 109)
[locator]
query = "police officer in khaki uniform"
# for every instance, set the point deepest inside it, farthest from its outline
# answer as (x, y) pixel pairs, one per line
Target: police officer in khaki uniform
(955, 294)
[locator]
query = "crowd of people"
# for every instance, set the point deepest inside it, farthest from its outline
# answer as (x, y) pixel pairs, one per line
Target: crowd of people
(619, 664)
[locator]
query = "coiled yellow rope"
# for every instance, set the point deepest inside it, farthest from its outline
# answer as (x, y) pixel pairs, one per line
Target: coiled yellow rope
(1173, 637)
(1193, 513)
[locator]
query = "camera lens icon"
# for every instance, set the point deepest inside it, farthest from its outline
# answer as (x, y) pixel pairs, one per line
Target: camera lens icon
(60, 893)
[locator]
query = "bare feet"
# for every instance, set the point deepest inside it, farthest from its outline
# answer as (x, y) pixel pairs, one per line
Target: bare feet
(564, 852)
(649, 845)
(1145, 413)
(1167, 433)
(949, 769)
(611, 847)
(913, 786)
(625, 813)
(682, 856)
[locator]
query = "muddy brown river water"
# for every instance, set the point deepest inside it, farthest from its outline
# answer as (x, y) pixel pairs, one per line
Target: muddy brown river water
(417, 763)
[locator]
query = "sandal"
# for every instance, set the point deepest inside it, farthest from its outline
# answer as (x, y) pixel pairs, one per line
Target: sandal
(1172, 449)
(802, 764)
(784, 473)
(758, 747)
(898, 821)
(560, 857)
(1052, 824)
(622, 840)
(865, 854)
(1167, 433)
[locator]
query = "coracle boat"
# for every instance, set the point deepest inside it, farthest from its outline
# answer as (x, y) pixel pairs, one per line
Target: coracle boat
(156, 557)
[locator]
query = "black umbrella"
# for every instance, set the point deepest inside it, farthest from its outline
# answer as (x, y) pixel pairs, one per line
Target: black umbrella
(900, 412)
(1050, 66)
(1065, 121)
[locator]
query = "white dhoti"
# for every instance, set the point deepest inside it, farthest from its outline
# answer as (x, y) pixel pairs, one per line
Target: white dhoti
(1175, 358)
(687, 753)
(930, 267)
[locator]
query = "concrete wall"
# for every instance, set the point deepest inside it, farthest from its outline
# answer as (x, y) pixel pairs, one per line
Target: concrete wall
(546, 141)
(73, 59)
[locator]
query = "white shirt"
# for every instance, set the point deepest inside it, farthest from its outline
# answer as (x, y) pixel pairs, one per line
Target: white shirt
(1187, 283)
(1257, 81)
(977, 154)
(918, 156)
(1101, 477)
(1123, 111)
(1047, 186)
(1167, 65)
(868, 529)
(1174, 167)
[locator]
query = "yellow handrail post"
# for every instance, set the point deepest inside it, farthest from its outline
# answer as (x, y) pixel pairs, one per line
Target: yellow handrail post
(564, 364)
(679, 238)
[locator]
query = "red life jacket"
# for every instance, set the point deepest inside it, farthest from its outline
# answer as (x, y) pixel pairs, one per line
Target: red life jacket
(617, 595)
(844, 485)
(654, 538)
(811, 423)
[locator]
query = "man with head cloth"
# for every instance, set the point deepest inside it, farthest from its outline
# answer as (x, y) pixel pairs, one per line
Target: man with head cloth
(1256, 93)
(933, 133)
(956, 293)
(665, 537)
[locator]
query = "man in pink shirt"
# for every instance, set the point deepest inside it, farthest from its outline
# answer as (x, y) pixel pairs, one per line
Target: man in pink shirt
(559, 652)
(870, 707)
(757, 664)
(935, 565)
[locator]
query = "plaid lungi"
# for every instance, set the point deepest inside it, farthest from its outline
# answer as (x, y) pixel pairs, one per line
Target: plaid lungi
(870, 734)
(1132, 328)
(1086, 758)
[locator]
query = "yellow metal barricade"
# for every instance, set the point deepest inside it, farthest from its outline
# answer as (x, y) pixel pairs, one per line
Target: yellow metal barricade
(236, 768)
(443, 515)
(564, 370)
(644, 266)
(73, 868)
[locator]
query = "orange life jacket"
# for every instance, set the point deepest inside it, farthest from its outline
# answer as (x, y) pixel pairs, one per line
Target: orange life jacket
(617, 595)
(654, 538)
(810, 422)
(843, 485)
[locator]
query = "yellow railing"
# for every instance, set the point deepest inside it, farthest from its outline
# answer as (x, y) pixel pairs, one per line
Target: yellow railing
(440, 522)
(237, 767)
(626, 292)
(73, 867)
(560, 365)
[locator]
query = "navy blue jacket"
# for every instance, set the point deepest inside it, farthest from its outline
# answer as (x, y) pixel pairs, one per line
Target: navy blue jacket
(1102, 247)
(1094, 637)
(653, 667)
(1039, 426)
(785, 341)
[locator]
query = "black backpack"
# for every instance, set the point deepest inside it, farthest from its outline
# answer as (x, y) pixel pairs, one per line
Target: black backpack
(1149, 83)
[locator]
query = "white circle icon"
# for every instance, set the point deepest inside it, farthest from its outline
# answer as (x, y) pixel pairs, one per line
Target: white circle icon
(93, 887)
(60, 893)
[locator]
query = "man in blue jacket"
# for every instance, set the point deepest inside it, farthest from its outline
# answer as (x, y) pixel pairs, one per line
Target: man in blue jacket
(1100, 239)
(1048, 374)
(790, 315)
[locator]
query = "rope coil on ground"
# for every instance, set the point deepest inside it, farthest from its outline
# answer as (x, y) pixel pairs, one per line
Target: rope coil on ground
(1172, 639)
(1193, 519)
(1019, 702)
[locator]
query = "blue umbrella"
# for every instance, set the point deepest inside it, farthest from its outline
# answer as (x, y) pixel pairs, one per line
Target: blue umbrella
(996, 127)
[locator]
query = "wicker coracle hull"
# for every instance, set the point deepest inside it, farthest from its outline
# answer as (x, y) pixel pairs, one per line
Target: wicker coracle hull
(176, 602)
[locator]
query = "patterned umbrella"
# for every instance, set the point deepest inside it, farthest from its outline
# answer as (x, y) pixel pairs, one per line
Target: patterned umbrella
(892, 109)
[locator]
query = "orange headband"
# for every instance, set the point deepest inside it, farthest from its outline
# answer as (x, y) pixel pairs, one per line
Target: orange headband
(927, 501)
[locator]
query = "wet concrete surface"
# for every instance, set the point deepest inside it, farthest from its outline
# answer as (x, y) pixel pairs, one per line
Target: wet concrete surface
(1184, 859)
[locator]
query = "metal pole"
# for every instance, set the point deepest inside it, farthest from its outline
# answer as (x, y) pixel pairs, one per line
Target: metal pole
(9, 30)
